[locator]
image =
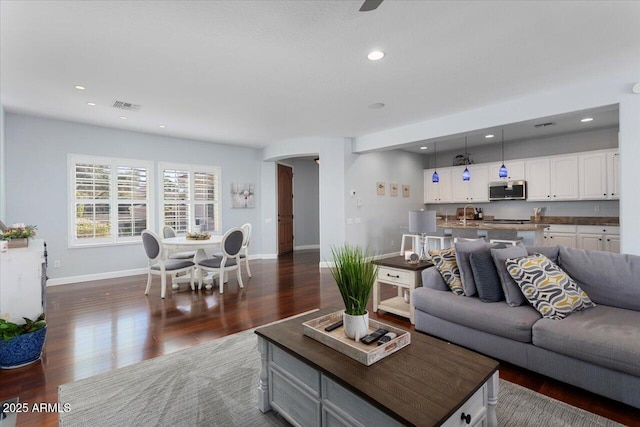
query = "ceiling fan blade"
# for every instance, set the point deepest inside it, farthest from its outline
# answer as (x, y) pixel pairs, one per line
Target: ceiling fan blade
(370, 5)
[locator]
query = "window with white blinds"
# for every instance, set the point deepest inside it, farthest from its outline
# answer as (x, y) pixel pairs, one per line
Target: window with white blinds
(111, 200)
(190, 197)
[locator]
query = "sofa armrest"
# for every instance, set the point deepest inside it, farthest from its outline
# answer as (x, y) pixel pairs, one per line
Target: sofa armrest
(431, 278)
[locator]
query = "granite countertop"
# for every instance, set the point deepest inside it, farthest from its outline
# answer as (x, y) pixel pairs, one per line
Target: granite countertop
(481, 225)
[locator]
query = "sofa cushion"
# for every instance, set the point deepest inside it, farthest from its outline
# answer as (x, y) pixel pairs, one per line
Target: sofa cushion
(463, 250)
(445, 262)
(547, 288)
(605, 336)
(608, 278)
(431, 278)
(512, 292)
(486, 276)
(550, 252)
(495, 318)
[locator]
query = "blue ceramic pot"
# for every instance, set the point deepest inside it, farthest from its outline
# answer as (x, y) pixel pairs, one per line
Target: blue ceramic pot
(22, 350)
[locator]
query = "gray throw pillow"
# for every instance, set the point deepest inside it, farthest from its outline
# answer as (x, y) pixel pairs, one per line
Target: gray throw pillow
(512, 292)
(486, 276)
(463, 250)
(550, 252)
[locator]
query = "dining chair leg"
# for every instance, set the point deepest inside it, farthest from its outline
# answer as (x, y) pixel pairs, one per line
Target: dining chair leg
(163, 290)
(221, 280)
(146, 292)
(246, 264)
(193, 286)
(240, 278)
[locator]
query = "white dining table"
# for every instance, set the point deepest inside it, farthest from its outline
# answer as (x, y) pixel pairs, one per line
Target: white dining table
(181, 243)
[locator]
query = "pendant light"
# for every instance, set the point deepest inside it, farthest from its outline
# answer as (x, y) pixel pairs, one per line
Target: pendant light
(466, 175)
(502, 173)
(435, 177)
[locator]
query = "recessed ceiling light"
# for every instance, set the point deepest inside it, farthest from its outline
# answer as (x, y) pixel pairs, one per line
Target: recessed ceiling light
(376, 105)
(375, 55)
(423, 148)
(489, 136)
(162, 126)
(587, 119)
(91, 104)
(79, 87)
(123, 117)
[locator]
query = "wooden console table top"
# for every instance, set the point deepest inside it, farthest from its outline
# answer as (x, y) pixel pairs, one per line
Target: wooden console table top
(400, 262)
(422, 384)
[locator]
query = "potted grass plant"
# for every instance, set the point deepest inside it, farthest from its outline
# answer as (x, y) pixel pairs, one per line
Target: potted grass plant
(21, 344)
(355, 275)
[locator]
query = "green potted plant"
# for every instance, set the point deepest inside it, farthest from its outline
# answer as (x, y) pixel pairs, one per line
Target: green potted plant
(18, 235)
(355, 275)
(21, 344)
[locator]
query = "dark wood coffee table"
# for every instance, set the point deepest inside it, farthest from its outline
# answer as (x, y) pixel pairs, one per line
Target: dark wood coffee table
(428, 383)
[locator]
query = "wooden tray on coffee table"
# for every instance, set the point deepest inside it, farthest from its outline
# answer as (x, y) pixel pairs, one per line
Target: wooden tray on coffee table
(363, 353)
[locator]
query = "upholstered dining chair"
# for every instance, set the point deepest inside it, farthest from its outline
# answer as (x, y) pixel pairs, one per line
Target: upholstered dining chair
(230, 260)
(170, 232)
(158, 264)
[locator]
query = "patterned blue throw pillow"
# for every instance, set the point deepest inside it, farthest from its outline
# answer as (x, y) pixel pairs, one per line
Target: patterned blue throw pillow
(547, 288)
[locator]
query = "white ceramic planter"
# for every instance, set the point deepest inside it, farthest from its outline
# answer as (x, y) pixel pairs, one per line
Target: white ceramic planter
(356, 327)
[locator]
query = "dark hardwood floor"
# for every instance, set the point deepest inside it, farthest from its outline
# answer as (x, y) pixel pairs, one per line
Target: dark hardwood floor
(100, 326)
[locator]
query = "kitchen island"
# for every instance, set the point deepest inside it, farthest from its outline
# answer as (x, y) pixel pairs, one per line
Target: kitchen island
(532, 233)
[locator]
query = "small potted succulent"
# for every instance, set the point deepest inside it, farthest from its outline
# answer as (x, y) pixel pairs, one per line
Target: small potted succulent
(355, 276)
(21, 344)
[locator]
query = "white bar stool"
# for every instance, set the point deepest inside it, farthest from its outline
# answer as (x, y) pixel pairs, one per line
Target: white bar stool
(441, 241)
(414, 244)
(513, 242)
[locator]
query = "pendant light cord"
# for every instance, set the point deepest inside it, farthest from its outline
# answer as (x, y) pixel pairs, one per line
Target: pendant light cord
(503, 146)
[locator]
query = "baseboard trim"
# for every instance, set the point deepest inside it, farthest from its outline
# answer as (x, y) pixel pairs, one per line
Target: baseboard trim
(97, 276)
(123, 273)
(331, 264)
(305, 247)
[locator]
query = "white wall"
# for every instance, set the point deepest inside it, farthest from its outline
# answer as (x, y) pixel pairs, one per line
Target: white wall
(333, 153)
(37, 185)
(607, 90)
(563, 144)
(306, 203)
(381, 220)
(3, 204)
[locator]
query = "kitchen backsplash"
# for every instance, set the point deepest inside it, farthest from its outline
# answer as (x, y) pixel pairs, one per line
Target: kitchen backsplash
(515, 209)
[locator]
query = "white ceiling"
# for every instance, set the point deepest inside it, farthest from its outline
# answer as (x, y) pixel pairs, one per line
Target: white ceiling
(257, 72)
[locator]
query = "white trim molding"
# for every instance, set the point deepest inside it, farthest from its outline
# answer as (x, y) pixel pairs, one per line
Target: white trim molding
(305, 247)
(331, 264)
(97, 276)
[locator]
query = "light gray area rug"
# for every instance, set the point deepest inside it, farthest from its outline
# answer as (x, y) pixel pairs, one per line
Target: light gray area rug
(215, 384)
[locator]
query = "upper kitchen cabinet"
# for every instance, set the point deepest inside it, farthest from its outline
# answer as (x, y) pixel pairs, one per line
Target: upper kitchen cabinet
(552, 178)
(599, 175)
(438, 192)
(613, 174)
(515, 171)
(475, 190)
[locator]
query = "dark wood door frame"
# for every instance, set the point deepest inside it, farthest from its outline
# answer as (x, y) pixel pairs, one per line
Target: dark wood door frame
(285, 209)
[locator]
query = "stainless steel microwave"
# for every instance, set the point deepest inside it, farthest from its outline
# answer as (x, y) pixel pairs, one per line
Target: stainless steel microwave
(508, 190)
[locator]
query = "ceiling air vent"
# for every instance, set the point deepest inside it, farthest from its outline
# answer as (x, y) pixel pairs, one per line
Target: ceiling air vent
(544, 125)
(122, 105)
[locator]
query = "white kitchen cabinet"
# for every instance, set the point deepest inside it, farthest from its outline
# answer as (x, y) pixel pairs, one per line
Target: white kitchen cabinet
(561, 235)
(538, 175)
(475, 190)
(613, 174)
(592, 169)
(599, 175)
(515, 171)
(22, 281)
(564, 178)
(438, 192)
(599, 238)
(552, 178)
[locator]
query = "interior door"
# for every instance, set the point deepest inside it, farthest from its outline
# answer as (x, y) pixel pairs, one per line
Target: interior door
(285, 209)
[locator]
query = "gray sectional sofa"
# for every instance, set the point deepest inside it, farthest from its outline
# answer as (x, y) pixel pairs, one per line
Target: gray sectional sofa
(597, 349)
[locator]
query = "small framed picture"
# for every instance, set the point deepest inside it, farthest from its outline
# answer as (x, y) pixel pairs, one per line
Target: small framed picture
(381, 188)
(393, 190)
(406, 191)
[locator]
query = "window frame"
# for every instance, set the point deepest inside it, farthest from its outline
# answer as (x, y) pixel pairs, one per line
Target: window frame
(112, 201)
(191, 202)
